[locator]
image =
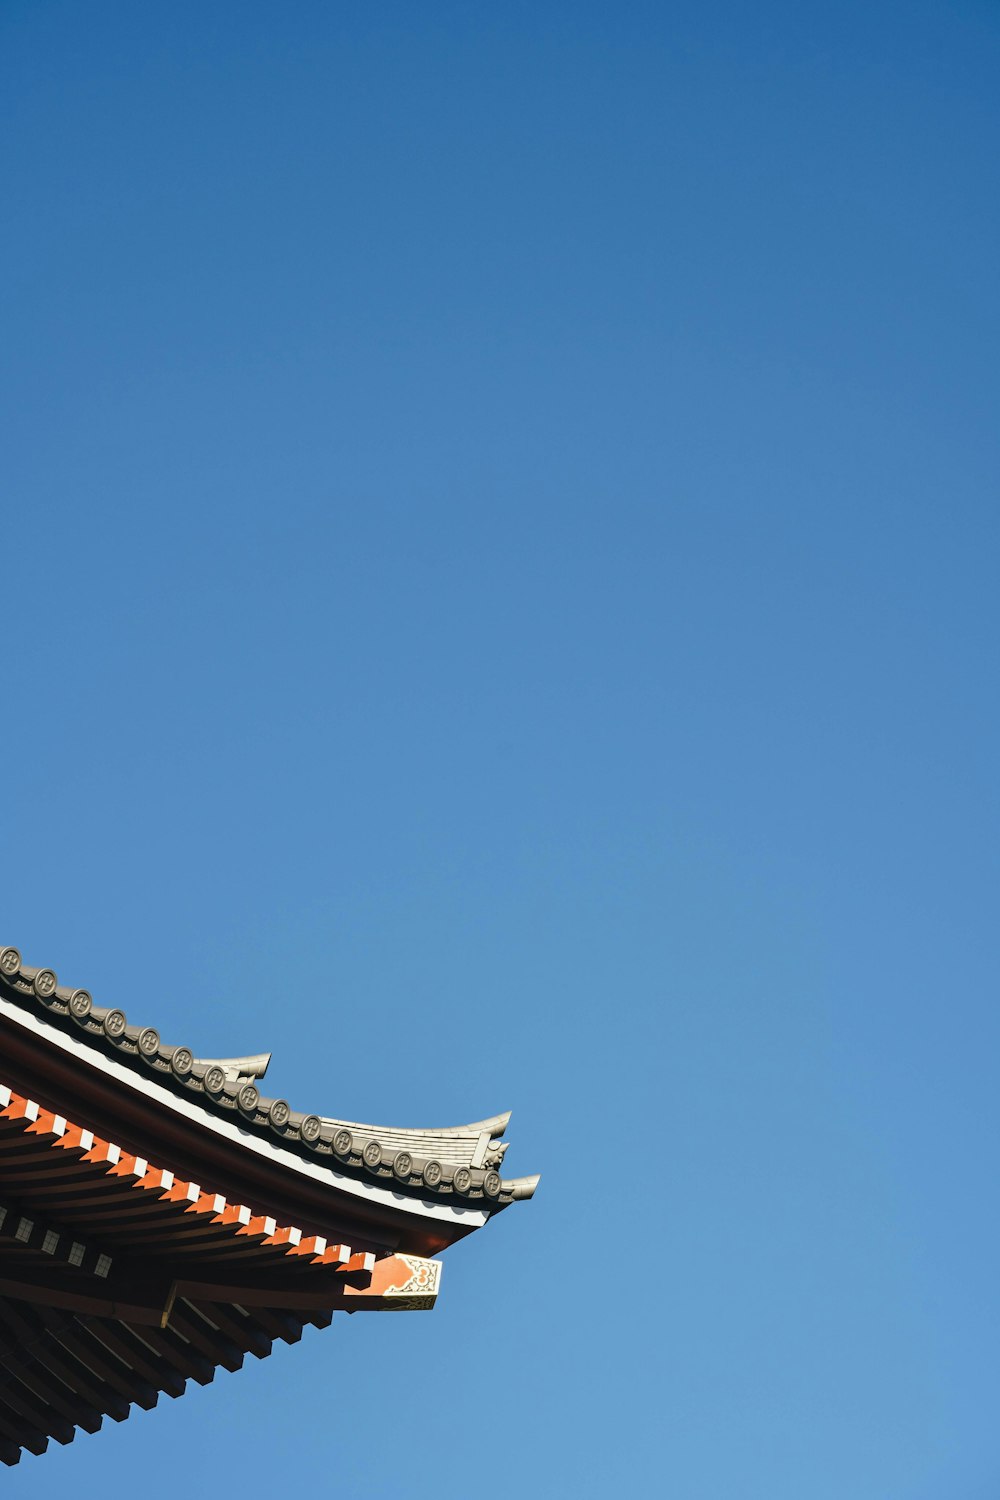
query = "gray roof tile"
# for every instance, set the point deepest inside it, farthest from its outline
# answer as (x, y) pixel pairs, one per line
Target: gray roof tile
(459, 1162)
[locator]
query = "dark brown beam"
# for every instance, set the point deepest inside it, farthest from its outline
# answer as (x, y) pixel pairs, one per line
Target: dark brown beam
(246, 1333)
(81, 1343)
(192, 1327)
(20, 1432)
(121, 1341)
(130, 1298)
(173, 1351)
(35, 1338)
(280, 1325)
(325, 1298)
(43, 1419)
(48, 1389)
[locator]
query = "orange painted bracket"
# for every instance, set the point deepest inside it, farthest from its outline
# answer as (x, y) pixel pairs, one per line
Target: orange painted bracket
(399, 1283)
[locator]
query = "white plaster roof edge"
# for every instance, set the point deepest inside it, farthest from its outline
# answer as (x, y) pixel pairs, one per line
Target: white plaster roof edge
(327, 1176)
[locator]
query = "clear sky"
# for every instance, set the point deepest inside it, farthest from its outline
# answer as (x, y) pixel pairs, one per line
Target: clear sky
(500, 554)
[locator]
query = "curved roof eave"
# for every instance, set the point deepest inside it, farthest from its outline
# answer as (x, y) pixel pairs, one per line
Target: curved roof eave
(460, 1164)
(458, 1214)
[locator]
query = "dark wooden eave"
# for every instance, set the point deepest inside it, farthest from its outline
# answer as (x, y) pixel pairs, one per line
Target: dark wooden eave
(160, 1218)
(120, 1280)
(458, 1164)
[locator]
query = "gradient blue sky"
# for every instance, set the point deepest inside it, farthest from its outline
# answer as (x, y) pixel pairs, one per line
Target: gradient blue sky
(500, 541)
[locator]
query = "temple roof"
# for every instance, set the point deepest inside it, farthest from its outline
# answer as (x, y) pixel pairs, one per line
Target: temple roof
(161, 1218)
(459, 1163)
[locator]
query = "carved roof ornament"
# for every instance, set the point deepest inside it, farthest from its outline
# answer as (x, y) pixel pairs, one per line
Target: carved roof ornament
(451, 1162)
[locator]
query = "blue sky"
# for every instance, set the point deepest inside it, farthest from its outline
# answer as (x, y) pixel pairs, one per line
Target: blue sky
(500, 544)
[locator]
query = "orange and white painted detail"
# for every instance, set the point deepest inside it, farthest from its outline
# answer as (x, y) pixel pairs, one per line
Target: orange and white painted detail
(396, 1281)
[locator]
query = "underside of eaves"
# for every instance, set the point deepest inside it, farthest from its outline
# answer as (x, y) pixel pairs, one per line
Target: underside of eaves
(160, 1218)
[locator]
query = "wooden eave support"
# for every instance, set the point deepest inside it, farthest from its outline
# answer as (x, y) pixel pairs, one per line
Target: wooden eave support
(398, 1283)
(131, 1299)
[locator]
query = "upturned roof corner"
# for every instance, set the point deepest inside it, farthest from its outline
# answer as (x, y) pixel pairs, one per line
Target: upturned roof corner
(458, 1163)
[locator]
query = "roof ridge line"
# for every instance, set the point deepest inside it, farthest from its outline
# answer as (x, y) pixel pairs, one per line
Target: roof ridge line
(460, 1162)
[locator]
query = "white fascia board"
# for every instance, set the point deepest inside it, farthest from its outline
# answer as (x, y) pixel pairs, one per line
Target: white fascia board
(327, 1176)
